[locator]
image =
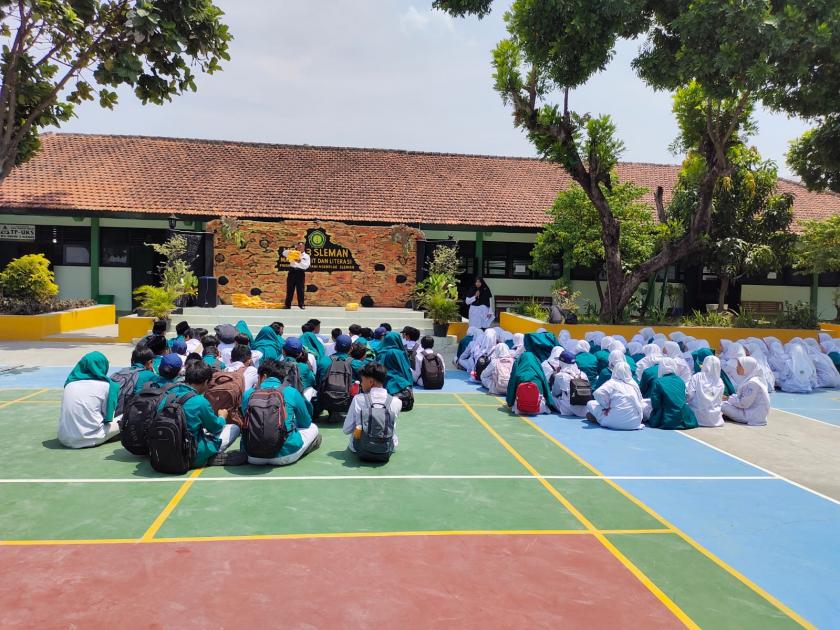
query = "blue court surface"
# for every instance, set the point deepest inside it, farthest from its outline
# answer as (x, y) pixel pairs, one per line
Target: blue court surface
(757, 527)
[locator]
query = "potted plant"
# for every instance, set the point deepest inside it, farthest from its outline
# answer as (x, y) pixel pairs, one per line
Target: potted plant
(155, 302)
(442, 309)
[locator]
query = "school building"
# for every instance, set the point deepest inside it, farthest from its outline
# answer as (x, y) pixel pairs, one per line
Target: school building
(92, 203)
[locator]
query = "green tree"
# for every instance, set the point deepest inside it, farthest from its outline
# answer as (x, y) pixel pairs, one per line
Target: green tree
(818, 250)
(750, 227)
(815, 156)
(733, 53)
(575, 229)
(57, 51)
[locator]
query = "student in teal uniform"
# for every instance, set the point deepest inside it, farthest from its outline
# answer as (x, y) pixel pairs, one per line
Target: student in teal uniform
(180, 329)
(391, 354)
(527, 368)
(168, 370)
(586, 361)
(668, 401)
(540, 344)
(303, 433)
(359, 354)
(143, 359)
(313, 344)
(268, 343)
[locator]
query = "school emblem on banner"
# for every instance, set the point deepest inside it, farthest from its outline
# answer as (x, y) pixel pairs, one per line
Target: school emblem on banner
(323, 252)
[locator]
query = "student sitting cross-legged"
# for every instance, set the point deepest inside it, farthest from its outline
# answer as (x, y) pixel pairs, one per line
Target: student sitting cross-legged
(142, 359)
(265, 440)
(88, 404)
(372, 419)
(428, 368)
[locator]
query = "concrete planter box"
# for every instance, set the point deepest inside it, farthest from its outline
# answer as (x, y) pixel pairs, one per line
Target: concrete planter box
(37, 327)
(521, 324)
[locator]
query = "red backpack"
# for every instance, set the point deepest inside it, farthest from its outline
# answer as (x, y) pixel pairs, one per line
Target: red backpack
(528, 399)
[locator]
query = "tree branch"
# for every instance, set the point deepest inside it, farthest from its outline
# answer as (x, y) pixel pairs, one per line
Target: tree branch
(660, 206)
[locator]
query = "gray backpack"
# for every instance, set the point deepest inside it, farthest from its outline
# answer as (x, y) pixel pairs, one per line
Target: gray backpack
(377, 440)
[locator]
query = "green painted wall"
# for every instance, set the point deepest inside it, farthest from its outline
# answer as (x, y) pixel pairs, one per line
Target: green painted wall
(759, 292)
(73, 282)
(116, 281)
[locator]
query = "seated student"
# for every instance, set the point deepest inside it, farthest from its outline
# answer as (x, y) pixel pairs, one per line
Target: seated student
(143, 359)
(366, 334)
(312, 344)
(169, 370)
(540, 344)
(464, 344)
(267, 342)
(634, 350)
(751, 403)
(391, 354)
(615, 357)
(586, 361)
(669, 409)
(293, 352)
(355, 331)
(329, 347)
(672, 351)
(704, 393)
(243, 329)
(88, 404)
(373, 392)
(192, 341)
(180, 329)
(211, 433)
(225, 337)
(211, 354)
(602, 354)
(241, 358)
(411, 341)
(652, 356)
(496, 375)
(279, 328)
(303, 434)
(386, 326)
(827, 375)
(428, 362)
(378, 336)
(359, 354)
(158, 346)
(527, 369)
(179, 349)
(473, 352)
(158, 330)
(560, 383)
(618, 403)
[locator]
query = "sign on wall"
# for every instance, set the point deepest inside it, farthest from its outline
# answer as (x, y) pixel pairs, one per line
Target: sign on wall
(9, 232)
(325, 255)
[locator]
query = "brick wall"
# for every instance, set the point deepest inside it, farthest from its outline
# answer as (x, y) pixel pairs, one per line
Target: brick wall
(386, 268)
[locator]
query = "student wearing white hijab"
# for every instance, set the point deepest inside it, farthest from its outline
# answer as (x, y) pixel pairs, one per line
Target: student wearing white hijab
(779, 362)
(801, 373)
(496, 376)
(647, 335)
(473, 351)
(518, 344)
(756, 348)
(704, 393)
(751, 404)
(560, 384)
(653, 355)
(728, 359)
(827, 375)
(672, 350)
(618, 402)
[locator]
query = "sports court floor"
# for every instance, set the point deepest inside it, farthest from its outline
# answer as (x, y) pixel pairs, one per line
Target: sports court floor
(481, 519)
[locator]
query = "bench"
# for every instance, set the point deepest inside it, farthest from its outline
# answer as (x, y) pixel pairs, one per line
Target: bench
(762, 307)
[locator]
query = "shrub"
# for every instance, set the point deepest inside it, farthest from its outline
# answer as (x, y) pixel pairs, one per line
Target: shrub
(156, 301)
(712, 318)
(28, 278)
(798, 315)
(531, 308)
(12, 306)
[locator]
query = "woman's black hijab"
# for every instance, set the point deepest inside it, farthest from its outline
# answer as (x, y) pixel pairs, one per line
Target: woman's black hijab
(484, 293)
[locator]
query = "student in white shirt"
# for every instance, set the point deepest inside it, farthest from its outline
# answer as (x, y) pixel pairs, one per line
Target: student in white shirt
(240, 357)
(427, 347)
(373, 380)
(296, 278)
(88, 404)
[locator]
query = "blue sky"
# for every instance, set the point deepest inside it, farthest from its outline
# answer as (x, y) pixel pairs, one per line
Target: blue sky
(390, 74)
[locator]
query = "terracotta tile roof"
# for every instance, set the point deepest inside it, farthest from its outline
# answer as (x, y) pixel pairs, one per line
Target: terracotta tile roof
(207, 178)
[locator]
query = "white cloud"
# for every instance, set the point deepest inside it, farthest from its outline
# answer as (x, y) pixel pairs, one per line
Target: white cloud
(414, 20)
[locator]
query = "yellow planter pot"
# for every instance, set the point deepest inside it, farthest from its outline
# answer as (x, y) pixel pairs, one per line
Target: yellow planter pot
(38, 327)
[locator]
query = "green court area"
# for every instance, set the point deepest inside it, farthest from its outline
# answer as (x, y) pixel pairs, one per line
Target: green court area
(464, 466)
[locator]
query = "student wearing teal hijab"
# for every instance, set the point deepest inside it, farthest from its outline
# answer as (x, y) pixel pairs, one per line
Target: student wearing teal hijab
(527, 369)
(88, 404)
(312, 344)
(242, 328)
(268, 343)
(541, 344)
(391, 354)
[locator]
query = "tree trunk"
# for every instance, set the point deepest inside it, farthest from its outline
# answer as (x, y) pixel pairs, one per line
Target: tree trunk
(600, 292)
(724, 287)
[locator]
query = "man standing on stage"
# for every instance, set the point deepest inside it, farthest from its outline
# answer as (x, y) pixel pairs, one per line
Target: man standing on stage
(296, 280)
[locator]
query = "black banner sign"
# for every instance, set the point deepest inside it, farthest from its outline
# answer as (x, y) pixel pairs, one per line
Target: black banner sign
(324, 253)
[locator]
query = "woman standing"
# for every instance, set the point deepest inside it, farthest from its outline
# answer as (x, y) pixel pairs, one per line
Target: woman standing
(481, 315)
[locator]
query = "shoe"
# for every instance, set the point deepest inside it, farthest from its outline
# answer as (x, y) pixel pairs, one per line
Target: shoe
(316, 443)
(591, 418)
(303, 308)
(228, 458)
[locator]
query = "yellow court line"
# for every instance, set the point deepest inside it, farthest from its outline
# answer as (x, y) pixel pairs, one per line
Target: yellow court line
(173, 503)
(678, 612)
(676, 530)
(303, 536)
(5, 404)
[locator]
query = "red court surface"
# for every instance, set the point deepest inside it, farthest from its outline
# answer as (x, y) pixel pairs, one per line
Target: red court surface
(481, 581)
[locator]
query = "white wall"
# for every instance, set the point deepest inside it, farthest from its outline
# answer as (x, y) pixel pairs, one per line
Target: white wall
(73, 282)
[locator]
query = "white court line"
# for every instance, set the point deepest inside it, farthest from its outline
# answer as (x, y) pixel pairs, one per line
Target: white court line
(799, 415)
(761, 468)
(203, 479)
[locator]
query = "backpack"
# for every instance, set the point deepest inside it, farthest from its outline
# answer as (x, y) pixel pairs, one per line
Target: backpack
(171, 445)
(481, 365)
(412, 354)
(376, 443)
(224, 391)
(265, 429)
(432, 371)
(334, 393)
(580, 391)
(134, 425)
(501, 377)
(291, 375)
(528, 398)
(127, 380)
(407, 398)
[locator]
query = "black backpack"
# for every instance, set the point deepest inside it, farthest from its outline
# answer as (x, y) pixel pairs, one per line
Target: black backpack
(407, 398)
(580, 391)
(171, 445)
(291, 375)
(376, 442)
(134, 425)
(127, 380)
(334, 394)
(481, 365)
(432, 371)
(265, 429)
